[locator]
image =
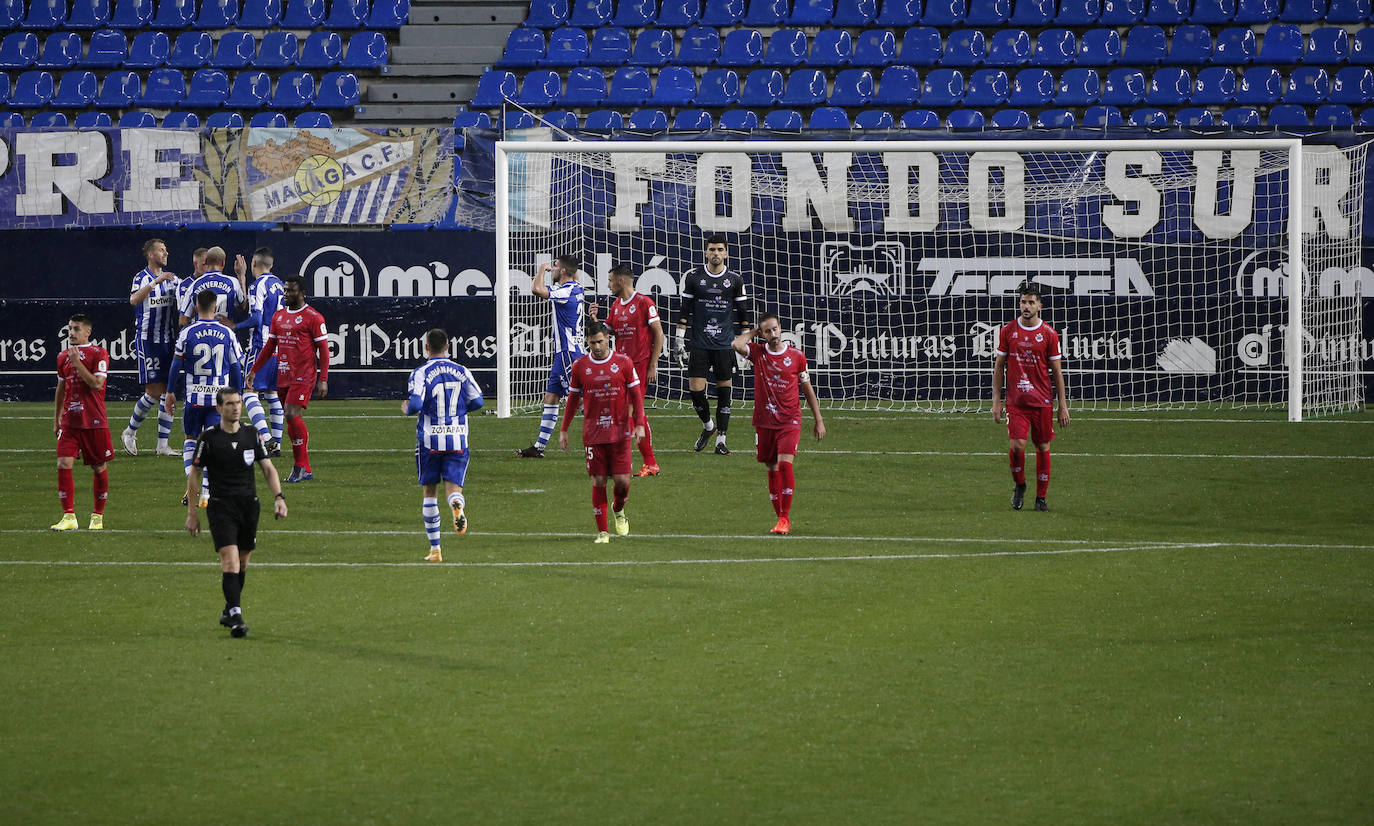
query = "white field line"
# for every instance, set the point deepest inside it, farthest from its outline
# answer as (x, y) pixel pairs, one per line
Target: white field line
(858, 416)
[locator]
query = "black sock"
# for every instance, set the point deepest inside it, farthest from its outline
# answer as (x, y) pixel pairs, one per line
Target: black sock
(243, 574)
(232, 591)
(723, 398)
(701, 406)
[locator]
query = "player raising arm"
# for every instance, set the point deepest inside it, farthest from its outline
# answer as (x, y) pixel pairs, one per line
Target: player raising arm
(566, 297)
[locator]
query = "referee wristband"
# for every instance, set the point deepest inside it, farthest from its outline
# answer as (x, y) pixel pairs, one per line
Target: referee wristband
(281, 496)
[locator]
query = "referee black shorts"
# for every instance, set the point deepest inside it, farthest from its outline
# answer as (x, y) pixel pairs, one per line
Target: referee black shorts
(234, 521)
(721, 363)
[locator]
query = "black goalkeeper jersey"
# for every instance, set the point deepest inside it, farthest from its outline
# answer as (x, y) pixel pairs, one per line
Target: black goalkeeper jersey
(231, 459)
(712, 306)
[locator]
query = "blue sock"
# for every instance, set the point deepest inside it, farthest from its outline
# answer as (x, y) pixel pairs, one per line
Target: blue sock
(141, 408)
(253, 406)
(430, 511)
(547, 422)
(277, 413)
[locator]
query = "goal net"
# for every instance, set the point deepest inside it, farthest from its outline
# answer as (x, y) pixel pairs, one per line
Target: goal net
(1172, 269)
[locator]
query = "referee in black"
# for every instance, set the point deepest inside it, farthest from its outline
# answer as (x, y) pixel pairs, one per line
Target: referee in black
(229, 452)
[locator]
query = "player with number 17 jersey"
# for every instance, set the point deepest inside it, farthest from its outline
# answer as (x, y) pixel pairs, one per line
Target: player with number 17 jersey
(443, 392)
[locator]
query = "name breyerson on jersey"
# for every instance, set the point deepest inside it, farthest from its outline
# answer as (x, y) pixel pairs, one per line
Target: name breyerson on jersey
(224, 286)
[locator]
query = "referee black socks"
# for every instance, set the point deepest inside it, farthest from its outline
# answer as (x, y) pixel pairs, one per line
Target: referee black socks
(232, 587)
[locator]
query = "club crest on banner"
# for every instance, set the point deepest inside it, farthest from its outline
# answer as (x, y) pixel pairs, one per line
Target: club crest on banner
(325, 175)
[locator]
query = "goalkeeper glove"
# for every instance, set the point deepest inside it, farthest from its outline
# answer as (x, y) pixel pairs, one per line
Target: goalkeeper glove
(680, 351)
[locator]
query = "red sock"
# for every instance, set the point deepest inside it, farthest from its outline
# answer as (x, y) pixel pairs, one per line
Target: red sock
(774, 485)
(1042, 473)
(101, 488)
(66, 490)
(646, 445)
(622, 492)
(1018, 466)
(300, 443)
(787, 483)
(599, 508)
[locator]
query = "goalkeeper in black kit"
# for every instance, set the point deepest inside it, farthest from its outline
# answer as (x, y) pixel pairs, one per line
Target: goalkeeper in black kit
(714, 309)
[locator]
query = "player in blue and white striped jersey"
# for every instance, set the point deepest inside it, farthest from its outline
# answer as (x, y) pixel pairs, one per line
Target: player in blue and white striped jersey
(566, 298)
(207, 357)
(228, 290)
(153, 294)
(443, 393)
(264, 299)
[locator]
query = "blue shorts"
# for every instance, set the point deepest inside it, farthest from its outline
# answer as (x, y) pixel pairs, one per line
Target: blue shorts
(432, 466)
(561, 373)
(265, 380)
(154, 361)
(195, 419)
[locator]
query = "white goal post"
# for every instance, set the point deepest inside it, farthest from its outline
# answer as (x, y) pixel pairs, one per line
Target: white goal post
(1174, 269)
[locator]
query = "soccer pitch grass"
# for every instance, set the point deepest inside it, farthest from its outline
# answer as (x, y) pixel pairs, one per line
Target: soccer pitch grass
(1188, 637)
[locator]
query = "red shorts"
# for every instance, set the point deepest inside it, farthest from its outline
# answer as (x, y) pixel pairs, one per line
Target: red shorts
(92, 444)
(297, 392)
(611, 459)
(1037, 422)
(770, 442)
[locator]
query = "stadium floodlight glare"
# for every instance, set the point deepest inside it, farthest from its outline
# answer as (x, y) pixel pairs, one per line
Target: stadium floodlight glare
(1174, 269)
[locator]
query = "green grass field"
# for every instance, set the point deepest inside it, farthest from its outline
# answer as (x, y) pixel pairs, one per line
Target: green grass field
(1188, 637)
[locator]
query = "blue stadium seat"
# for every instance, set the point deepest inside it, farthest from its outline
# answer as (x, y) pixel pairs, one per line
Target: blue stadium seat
(45, 15)
(604, 120)
(19, 50)
(345, 14)
(1078, 87)
(277, 50)
(944, 13)
(786, 47)
(768, 12)
(174, 14)
(1009, 48)
(545, 14)
(137, 120)
(268, 120)
(1122, 12)
(810, 13)
(639, 14)
(1307, 85)
(675, 86)
(828, 117)
(1010, 119)
(1170, 86)
(1032, 14)
(224, 120)
(852, 87)
(1352, 85)
(1327, 46)
(921, 46)
(337, 90)
(899, 13)
(965, 47)
(1348, 11)
(783, 120)
(4, 87)
(567, 47)
(1099, 47)
(1168, 12)
(1123, 87)
(132, 14)
(692, 120)
(987, 88)
(1191, 45)
(965, 119)
(151, 50)
(235, 50)
(1235, 46)
(1193, 116)
(1153, 118)
(874, 119)
(1055, 47)
(109, 48)
(208, 90)
(988, 14)
(1078, 12)
(11, 14)
(1056, 119)
(805, 87)
(1333, 116)
(324, 50)
(388, 14)
(610, 46)
(180, 120)
(119, 90)
(540, 89)
(1241, 116)
(898, 87)
(920, 119)
(302, 14)
(588, 14)
(89, 14)
(1145, 46)
(1215, 86)
(49, 120)
(93, 120)
(630, 86)
(739, 120)
(831, 47)
(1259, 86)
(942, 87)
(62, 50)
(586, 87)
(165, 89)
(75, 90)
(719, 88)
(312, 120)
(192, 50)
(1366, 118)
(250, 90)
(217, 14)
(467, 119)
(1031, 88)
(1252, 12)
(1362, 47)
(1282, 45)
(259, 14)
(293, 90)
(1288, 114)
(653, 47)
(875, 48)
(698, 46)
(741, 47)
(494, 87)
(762, 88)
(1213, 12)
(855, 14)
(1303, 11)
(678, 14)
(1102, 116)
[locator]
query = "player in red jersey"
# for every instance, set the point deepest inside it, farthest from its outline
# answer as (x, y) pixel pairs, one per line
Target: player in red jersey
(79, 422)
(605, 383)
(779, 371)
(1028, 356)
(297, 336)
(633, 318)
